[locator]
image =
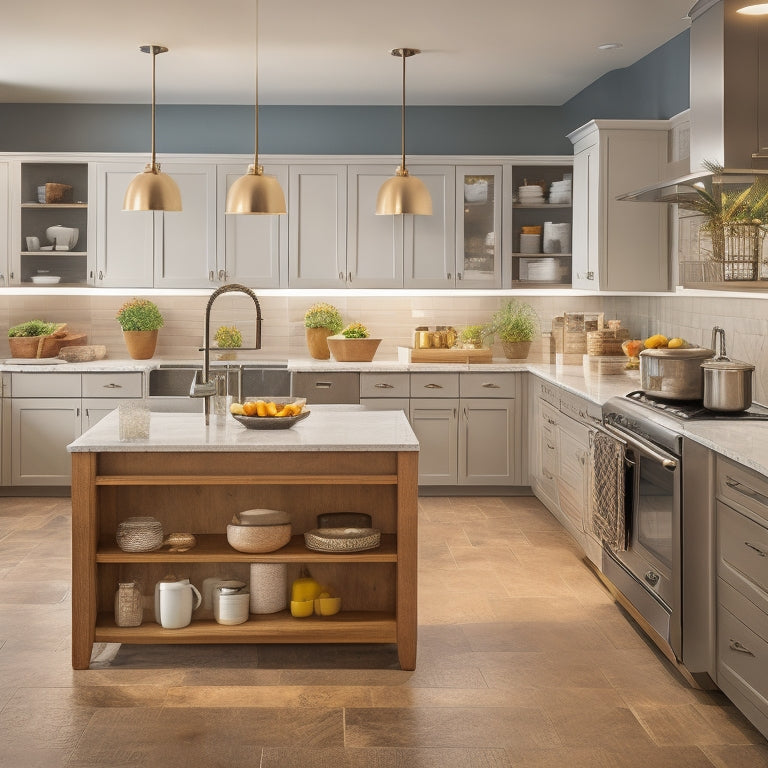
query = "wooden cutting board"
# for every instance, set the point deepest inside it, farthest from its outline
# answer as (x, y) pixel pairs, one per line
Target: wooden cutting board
(452, 355)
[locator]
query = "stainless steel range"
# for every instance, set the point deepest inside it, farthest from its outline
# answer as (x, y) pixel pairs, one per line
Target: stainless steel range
(665, 572)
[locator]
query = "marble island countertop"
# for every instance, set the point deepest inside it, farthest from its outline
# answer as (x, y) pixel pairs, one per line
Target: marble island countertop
(327, 428)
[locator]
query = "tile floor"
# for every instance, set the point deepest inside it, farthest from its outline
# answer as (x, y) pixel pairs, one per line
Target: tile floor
(524, 660)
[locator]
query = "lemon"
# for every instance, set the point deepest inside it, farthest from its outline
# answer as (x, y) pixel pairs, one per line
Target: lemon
(677, 343)
(236, 408)
(656, 341)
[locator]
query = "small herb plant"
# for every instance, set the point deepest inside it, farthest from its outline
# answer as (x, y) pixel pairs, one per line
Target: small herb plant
(32, 328)
(323, 315)
(139, 315)
(355, 331)
(228, 337)
(474, 334)
(514, 321)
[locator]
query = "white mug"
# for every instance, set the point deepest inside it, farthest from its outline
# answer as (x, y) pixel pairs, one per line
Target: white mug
(33, 243)
(174, 604)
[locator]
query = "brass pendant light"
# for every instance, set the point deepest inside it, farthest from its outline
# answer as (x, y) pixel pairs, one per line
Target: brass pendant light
(403, 193)
(152, 190)
(256, 192)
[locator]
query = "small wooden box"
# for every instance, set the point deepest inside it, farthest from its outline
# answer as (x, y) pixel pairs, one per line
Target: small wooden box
(453, 355)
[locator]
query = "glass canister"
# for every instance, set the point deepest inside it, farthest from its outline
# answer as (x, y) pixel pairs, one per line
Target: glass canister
(129, 604)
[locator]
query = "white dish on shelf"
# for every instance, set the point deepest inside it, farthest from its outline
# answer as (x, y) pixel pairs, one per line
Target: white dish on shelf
(46, 279)
(46, 247)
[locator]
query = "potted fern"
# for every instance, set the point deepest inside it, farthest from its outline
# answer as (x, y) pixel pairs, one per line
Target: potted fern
(515, 324)
(321, 320)
(140, 320)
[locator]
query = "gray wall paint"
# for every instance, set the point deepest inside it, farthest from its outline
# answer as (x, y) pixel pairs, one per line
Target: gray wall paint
(654, 87)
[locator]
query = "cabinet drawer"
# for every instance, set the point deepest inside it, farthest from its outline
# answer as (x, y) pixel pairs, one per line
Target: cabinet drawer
(45, 385)
(742, 549)
(112, 384)
(384, 385)
(387, 403)
(742, 649)
(488, 384)
(743, 486)
(434, 385)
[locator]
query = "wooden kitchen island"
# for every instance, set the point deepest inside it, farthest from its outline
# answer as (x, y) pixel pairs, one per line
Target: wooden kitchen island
(194, 477)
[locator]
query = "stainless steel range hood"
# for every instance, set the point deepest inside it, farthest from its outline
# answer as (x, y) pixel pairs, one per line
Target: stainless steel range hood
(728, 112)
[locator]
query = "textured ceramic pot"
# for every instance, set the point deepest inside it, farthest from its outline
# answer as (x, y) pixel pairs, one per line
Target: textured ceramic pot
(516, 350)
(141, 344)
(317, 343)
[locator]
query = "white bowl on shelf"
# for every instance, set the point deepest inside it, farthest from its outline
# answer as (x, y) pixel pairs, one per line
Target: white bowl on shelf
(45, 279)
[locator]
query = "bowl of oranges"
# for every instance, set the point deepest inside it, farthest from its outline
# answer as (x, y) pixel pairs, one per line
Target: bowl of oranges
(270, 412)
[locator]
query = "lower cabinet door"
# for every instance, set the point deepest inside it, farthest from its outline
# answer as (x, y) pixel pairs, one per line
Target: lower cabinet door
(96, 408)
(488, 429)
(434, 421)
(40, 433)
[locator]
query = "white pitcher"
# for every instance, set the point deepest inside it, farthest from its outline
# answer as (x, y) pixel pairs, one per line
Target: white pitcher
(174, 603)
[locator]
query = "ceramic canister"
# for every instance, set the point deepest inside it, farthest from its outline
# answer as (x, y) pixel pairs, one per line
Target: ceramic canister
(230, 602)
(269, 587)
(175, 599)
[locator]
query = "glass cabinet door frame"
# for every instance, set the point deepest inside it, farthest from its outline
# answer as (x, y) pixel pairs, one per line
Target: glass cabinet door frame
(463, 208)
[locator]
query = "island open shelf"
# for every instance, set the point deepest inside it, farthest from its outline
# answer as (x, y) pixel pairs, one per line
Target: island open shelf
(198, 491)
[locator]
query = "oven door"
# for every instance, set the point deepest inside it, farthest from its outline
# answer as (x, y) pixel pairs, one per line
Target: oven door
(653, 517)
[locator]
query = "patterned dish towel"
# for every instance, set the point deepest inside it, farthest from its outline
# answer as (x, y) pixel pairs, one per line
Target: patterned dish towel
(607, 484)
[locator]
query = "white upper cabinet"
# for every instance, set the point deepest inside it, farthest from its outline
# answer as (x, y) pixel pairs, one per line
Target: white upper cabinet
(619, 245)
(139, 249)
(317, 224)
(252, 249)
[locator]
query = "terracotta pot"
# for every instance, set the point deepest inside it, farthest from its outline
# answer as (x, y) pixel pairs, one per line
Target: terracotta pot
(353, 350)
(317, 343)
(141, 344)
(516, 350)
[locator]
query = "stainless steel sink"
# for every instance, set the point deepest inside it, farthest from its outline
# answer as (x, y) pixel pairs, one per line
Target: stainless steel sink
(174, 380)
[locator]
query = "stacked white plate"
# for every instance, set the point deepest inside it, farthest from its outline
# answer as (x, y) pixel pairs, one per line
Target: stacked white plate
(542, 270)
(530, 194)
(46, 279)
(560, 192)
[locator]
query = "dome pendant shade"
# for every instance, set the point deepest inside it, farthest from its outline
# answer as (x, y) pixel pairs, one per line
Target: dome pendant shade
(152, 190)
(403, 194)
(256, 193)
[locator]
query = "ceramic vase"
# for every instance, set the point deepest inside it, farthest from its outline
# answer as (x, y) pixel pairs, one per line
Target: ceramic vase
(317, 343)
(141, 344)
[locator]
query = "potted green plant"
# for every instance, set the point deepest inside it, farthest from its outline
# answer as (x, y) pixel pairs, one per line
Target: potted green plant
(735, 220)
(28, 339)
(140, 320)
(473, 336)
(353, 344)
(228, 337)
(321, 320)
(515, 324)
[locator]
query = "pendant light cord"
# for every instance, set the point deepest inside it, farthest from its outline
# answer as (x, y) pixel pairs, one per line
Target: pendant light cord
(256, 109)
(402, 118)
(154, 56)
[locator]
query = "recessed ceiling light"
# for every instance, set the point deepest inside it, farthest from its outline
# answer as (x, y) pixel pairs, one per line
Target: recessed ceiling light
(758, 9)
(609, 46)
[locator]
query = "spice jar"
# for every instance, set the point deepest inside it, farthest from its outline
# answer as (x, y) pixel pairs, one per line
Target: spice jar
(129, 605)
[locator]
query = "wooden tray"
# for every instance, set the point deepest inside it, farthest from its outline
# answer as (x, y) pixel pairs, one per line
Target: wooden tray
(451, 355)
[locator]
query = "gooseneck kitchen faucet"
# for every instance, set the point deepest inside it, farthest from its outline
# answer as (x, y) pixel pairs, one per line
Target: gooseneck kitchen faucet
(206, 388)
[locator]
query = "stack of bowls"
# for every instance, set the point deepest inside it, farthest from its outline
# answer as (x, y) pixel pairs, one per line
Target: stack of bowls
(530, 194)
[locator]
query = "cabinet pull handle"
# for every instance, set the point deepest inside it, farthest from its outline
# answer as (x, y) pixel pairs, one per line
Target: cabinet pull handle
(735, 645)
(466, 414)
(550, 446)
(551, 421)
(210, 276)
(450, 277)
(101, 275)
(652, 578)
(585, 275)
(491, 385)
(757, 549)
(341, 276)
(349, 277)
(112, 385)
(222, 275)
(454, 413)
(323, 385)
(384, 386)
(458, 276)
(548, 475)
(77, 412)
(433, 386)
(745, 490)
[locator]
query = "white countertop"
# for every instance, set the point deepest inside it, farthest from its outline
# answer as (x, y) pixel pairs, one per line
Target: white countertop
(327, 428)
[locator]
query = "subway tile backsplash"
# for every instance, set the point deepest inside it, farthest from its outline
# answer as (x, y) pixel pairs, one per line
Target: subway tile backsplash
(393, 318)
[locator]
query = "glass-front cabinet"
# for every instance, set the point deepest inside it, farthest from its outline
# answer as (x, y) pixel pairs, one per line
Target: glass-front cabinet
(478, 226)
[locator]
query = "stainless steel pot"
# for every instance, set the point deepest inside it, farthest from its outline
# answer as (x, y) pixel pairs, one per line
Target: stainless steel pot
(727, 383)
(674, 374)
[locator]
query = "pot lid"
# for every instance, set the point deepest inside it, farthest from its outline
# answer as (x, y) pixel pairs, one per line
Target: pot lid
(727, 365)
(689, 353)
(262, 517)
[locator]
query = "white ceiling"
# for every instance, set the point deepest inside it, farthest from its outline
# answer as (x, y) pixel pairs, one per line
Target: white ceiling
(475, 52)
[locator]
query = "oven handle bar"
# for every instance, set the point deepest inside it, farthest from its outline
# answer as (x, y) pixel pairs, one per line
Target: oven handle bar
(666, 461)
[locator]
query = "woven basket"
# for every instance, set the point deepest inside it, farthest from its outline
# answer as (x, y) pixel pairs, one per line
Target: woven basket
(606, 343)
(57, 193)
